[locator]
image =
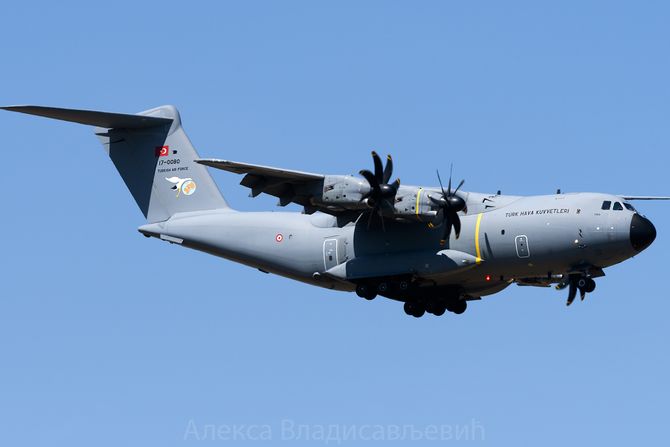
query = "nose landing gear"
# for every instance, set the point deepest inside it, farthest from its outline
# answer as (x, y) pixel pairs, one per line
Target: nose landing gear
(575, 282)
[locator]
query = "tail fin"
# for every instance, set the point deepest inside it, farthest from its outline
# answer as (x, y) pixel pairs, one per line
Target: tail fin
(153, 155)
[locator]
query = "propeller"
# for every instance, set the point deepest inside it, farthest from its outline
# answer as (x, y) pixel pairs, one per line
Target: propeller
(381, 196)
(449, 206)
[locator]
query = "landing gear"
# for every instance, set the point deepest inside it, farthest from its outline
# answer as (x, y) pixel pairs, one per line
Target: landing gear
(369, 290)
(438, 310)
(416, 303)
(590, 285)
(365, 291)
(577, 282)
(458, 306)
(414, 309)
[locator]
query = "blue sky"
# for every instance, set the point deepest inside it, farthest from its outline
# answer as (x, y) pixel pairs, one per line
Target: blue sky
(108, 338)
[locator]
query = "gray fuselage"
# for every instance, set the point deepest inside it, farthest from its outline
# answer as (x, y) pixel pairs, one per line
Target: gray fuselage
(532, 239)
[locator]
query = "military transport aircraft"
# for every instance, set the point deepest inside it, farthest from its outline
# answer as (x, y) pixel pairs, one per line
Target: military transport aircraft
(433, 248)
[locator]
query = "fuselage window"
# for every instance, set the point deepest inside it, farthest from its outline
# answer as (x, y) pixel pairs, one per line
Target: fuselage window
(629, 207)
(606, 205)
(617, 206)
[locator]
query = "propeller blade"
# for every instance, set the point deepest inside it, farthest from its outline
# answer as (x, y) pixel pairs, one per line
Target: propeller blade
(444, 194)
(447, 232)
(458, 187)
(381, 218)
(572, 293)
(451, 171)
(388, 169)
(372, 180)
(456, 222)
(379, 170)
(438, 202)
(582, 293)
(439, 217)
(395, 185)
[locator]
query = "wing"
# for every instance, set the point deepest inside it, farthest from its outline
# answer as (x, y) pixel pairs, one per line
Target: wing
(288, 185)
(645, 197)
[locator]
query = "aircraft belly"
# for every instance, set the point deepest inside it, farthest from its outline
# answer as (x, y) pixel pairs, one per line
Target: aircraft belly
(435, 265)
(282, 243)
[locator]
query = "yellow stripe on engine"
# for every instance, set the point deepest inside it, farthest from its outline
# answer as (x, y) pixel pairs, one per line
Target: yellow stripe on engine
(477, 248)
(416, 206)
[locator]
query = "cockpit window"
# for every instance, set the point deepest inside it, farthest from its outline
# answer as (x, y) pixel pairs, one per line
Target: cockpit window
(629, 207)
(606, 205)
(617, 206)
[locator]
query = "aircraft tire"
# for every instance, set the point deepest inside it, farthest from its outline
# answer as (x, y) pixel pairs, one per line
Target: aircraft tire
(418, 312)
(365, 291)
(414, 309)
(459, 307)
(590, 286)
(439, 311)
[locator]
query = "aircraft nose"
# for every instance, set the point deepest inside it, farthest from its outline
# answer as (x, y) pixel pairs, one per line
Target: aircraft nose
(642, 232)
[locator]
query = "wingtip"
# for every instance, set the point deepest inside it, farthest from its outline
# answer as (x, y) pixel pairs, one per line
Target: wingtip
(13, 108)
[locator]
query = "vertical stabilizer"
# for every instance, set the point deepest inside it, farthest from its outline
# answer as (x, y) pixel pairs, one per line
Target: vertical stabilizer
(153, 155)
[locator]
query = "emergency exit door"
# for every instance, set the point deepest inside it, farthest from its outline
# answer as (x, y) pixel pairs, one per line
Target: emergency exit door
(522, 250)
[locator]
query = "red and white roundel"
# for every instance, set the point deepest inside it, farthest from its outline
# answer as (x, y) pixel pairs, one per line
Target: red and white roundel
(279, 237)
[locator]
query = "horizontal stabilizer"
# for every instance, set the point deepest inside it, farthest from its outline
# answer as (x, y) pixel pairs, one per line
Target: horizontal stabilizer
(93, 118)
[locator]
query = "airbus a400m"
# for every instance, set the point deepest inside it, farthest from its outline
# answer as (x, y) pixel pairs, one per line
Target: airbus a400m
(433, 248)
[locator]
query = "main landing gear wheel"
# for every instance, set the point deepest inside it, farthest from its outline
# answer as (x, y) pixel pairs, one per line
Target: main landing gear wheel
(414, 309)
(459, 307)
(439, 311)
(365, 291)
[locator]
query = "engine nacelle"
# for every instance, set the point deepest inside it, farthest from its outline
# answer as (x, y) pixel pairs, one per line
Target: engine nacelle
(346, 191)
(414, 203)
